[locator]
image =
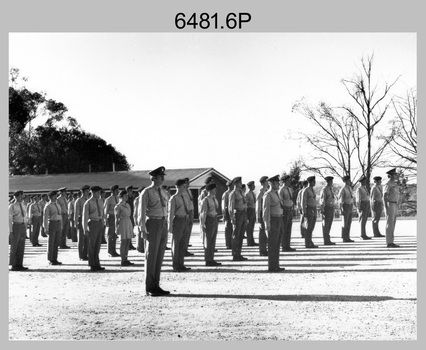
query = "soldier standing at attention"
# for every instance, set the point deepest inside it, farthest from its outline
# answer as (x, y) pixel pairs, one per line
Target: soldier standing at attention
(376, 198)
(251, 214)
(303, 185)
(130, 201)
(203, 193)
(190, 201)
(346, 206)
(17, 228)
(93, 223)
(272, 216)
(109, 212)
(52, 222)
(178, 225)
(391, 198)
(153, 221)
(238, 211)
(43, 203)
(286, 195)
(209, 223)
(363, 206)
(63, 203)
(83, 240)
(327, 209)
(263, 240)
(139, 246)
(35, 221)
(226, 216)
(309, 207)
(73, 228)
(123, 227)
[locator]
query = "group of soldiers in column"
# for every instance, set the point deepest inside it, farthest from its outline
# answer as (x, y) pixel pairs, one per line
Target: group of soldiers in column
(155, 213)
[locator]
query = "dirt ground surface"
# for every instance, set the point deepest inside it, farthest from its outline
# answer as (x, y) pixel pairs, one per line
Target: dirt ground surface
(350, 291)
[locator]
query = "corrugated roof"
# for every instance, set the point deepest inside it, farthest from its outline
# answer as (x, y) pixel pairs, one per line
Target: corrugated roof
(73, 182)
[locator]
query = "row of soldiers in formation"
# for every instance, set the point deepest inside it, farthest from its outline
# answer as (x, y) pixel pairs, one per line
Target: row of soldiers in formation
(155, 214)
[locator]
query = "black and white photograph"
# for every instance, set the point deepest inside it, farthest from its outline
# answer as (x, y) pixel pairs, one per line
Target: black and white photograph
(212, 186)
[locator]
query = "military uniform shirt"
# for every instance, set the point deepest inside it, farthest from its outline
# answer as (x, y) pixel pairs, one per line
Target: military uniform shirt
(251, 199)
(259, 199)
(345, 195)
(17, 214)
(308, 198)
(376, 194)
(35, 210)
(237, 201)
(286, 196)
(71, 205)
(362, 194)
(178, 205)
(78, 208)
(209, 208)
(52, 212)
(225, 201)
(271, 205)
(63, 203)
(92, 210)
(326, 197)
(110, 204)
(151, 204)
(190, 199)
(391, 192)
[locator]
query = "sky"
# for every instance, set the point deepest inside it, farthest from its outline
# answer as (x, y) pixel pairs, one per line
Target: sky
(221, 100)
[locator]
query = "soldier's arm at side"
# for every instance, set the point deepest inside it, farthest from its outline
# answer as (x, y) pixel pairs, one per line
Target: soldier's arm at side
(267, 212)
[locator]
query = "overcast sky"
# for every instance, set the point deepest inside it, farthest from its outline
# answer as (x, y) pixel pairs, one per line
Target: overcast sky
(204, 100)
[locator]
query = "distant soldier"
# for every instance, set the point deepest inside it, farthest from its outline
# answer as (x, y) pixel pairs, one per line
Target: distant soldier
(130, 201)
(73, 228)
(43, 203)
(376, 203)
(35, 217)
(83, 240)
(123, 226)
(251, 214)
(17, 224)
(286, 195)
(309, 208)
(238, 211)
(178, 225)
(93, 223)
(203, 193)
(391, 199)
(303, 185)
(363, 205)
(346, 207)
(109, 213)
(190, 200)
(272, 216)
(63, 203)
(209, 223)
(327, 202)
(263, 239)
(226, 216)
(152, 218)
(139, 239)
(31, 200)
(52, 222)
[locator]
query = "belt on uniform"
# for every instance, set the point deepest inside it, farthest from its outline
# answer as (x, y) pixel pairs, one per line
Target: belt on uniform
(37, 216)
(18, 223)
(156, 217)
(276, 215)
(392, 202)
(179, 216)
(54, 220)
(95, 220)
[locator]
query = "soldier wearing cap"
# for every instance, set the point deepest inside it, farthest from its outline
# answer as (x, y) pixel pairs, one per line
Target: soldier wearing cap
(93, 223)
(226, 216)
(140, 245)
(272, 216)
(391, 199)
(102, 198)
(376, 203)
(203, 194)
(286, 195)
(237, 208)
(17, 224)
(327, 201)
(178, 225)
(363, 205)
(263, 239)
(346, 206)
(251, 213)
(43, 203)
(35, 213)
(83, 240)
(123, 226)
(209, 224)
(303, 185)
(52, 222)
(152, 218)
(109, 213)
(190, 200)
(130, 201)
(73, 228)
(63, 203)
(309, 208)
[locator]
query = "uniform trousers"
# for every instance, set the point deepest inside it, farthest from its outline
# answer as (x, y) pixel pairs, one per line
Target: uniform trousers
(155, 246)
(228, 229)
(112, 236)
(95, 239)
(311, 219)
(17, 244)
(327, 221)
(347, 220)
(391, 221)
(83, 241)
(179, 247)
(55, 234)
(363, 216)
(210, 234)
(73, 230)
(190, 223)
(65, 230)
(238, 230)
(263, 239)
(140, 247)
(251, 220)
(274, 243)
(124, 248)
(302, 225)
(377, 213)
(36, 223)
(286, 227)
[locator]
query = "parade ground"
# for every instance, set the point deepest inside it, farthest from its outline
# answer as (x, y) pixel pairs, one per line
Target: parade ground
(350, 291)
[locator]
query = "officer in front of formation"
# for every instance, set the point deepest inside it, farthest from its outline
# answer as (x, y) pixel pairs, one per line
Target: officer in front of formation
(376, 202)
(263, 239)
(346, 206)
(309, 209)
(83, 240)
(152, 215)
(391, 199)
(109, 213)
(327, 201)
(93, 224)
(17, 228)
(272, 216)
(52, 222)
(363, 206)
